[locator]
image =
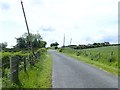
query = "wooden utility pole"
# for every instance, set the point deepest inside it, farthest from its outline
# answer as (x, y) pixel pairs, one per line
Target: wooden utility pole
(70, 41)
(29, 37)
(64, 40)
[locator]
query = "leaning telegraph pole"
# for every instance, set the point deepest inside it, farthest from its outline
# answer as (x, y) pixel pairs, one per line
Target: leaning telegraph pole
(29, 37)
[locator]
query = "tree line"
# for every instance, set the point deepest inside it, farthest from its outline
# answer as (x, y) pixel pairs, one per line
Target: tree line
(24, 40)
(36, 40)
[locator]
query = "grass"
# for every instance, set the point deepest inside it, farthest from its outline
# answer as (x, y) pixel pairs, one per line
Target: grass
(98, 57)
(96, 64)
(38, 76)
(0, 71)
(0, 83)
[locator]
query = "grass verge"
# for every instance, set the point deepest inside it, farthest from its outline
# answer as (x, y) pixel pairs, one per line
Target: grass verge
(97, 64)
(38, 76)
(0, 83)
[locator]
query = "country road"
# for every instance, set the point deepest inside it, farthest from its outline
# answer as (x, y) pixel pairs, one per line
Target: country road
(68, 72)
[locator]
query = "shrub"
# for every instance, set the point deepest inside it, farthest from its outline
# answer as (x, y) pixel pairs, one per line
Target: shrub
(60, 50)
(78, 53)
(56, 47)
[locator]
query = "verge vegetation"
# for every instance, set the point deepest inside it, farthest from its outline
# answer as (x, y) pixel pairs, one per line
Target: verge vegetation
(36, 76)
(105, 58)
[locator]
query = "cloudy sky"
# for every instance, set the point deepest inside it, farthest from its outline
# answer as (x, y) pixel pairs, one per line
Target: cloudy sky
(85, 21)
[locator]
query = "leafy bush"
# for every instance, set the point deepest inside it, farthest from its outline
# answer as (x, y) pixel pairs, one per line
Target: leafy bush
(60, 50)
(78, 53)
(56, 47)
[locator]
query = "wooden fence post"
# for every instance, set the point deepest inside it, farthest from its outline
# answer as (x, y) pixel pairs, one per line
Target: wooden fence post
(14, 62)
(30, 60)
(25, 64)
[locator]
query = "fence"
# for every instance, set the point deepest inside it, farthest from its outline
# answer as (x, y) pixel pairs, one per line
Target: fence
(17, 62)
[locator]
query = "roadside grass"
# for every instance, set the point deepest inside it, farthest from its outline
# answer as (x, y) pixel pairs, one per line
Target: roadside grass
(0, 71)
(38, 76)
(96, 64)
(0, 83)
(90, 56)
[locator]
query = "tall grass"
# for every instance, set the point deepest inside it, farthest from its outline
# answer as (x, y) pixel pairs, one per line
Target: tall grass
(38, 76)
(106, 55)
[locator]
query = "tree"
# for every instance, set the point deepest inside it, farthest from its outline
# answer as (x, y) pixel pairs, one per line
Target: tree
(3, 45)
(54, 44)
(43, 43)
(35, 39)
(21, 42)
(95, 44)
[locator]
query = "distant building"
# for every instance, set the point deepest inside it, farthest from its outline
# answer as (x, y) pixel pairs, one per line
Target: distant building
(72, 46)
(90, 44)
(82, 46)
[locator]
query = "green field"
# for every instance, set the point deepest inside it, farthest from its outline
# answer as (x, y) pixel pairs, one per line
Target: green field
(105, 58)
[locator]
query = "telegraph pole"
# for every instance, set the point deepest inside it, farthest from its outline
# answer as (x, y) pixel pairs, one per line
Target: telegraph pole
(64, 40)
(29, 37)
(70, 41)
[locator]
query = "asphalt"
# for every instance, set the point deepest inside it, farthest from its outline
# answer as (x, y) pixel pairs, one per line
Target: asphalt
(68, 72)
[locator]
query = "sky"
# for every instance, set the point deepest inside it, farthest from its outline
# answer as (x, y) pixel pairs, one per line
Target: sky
(85, 21)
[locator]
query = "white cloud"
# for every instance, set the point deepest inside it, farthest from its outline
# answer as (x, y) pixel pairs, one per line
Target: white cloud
(85, 21)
